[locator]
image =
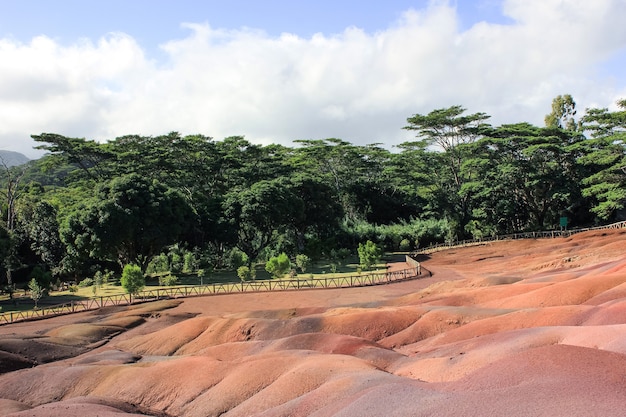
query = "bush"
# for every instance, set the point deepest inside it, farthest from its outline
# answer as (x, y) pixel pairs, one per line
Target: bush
(132, 280)
(303, 262)
(190, 262)
(278, 266)
(159, 263)
(87, 282)
(236, 258)
(168, 280)
(36, 291)
(244, 273)
(405, 245)
(369, 254)
(43, 278)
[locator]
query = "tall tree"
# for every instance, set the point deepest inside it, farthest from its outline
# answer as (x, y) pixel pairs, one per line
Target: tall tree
(130, 220)
(261, 213)
(12, 179)
(451, 131)
(562, 114)
(605, 160)
(525, 175)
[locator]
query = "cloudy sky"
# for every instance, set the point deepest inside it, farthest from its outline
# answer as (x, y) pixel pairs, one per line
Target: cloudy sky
(281, 70)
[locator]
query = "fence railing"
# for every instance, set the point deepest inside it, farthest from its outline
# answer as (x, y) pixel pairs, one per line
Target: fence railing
(376, 278)
(93, 303)
(514, 236)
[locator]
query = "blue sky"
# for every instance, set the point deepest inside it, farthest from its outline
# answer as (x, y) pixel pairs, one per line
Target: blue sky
(153, 22)
(277, 71)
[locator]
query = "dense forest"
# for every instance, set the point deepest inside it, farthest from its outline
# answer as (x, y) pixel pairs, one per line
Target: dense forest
(177, 202)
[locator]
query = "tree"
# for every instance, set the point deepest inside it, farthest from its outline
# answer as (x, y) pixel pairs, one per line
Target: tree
(43, 231)
(336, 164)
(451, 131)
(562, 114)
(527, 175)
(36, 291)
(278, 266)
(12, 179)
(92, 158)
(316, 211)
(604, 160)
(302, 262)
(260, 213)
(369, 254)
(130, 220)
(132, 280)
(246, 273)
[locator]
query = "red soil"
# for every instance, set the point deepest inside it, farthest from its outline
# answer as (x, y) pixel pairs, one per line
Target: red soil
(513, 328)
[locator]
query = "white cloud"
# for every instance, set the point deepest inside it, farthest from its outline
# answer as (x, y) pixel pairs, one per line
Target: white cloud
(354, 85)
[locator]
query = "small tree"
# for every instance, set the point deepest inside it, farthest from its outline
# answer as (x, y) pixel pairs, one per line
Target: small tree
(132, 280)
(243, 272)
(168, 280)
(278, 266)
(369, 254)
(36, 291)
(303, 262)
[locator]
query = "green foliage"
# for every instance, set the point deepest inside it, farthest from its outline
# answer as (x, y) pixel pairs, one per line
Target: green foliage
(236, 258)
(245, 273)
(132, 280)
(87, 282)
(168, 280)
(43, 278)
(278, 266)
(369, 255)
(302, 262)
(130, 219)
(146, 199)
(563, 112)
(159, 263)
(36, 291)
(190, 262)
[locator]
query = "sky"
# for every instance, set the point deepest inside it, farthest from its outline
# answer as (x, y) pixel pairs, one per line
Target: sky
(276, 71)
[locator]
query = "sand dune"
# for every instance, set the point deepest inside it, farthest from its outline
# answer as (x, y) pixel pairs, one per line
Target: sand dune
(512, 328)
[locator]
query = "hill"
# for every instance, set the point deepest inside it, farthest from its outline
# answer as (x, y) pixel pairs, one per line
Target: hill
(515, 328)
(10, 158)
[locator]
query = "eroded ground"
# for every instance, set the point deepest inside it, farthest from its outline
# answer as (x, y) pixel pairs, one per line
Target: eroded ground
(514, 328)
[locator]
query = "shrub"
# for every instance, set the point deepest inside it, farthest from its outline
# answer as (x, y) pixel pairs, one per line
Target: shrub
(236, 258)
(303, 262)
(278, 266)
(132, 280)
(159, 263)
(369, 254)
(405, 245)
(43, 278)
(36, 291)
(190, 262)
(243, 272)
(87, 282)
(168, 280)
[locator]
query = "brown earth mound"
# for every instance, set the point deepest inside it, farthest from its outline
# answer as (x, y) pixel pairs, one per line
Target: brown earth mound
(511, 328)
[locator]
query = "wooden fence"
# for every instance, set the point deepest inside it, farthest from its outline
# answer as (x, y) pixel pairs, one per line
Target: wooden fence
(376, 278)
(524, 235)
(93, 303)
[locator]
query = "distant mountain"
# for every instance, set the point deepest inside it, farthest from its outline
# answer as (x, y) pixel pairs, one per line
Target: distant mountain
(10, 158)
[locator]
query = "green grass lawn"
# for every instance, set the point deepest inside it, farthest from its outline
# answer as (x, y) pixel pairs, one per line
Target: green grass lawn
(318, 270)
